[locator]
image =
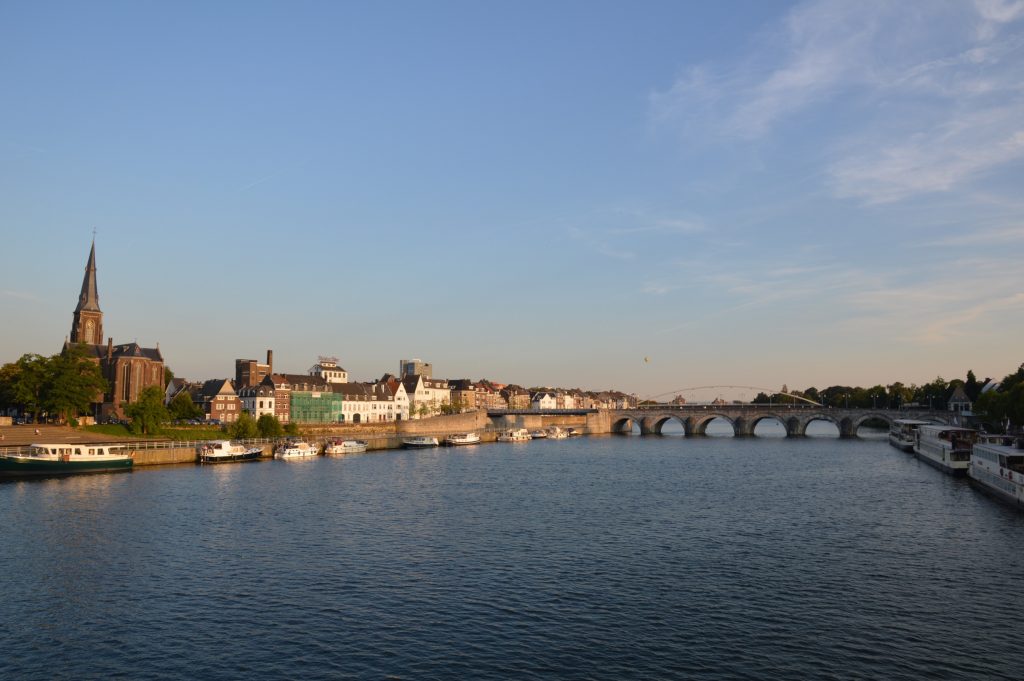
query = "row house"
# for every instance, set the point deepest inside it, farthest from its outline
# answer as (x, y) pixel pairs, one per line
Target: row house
(258, 400)
(515, 397)
(426, 395)
(398, 393)
(463, 394)
(217, 399)
(488, 396)
(543, 400)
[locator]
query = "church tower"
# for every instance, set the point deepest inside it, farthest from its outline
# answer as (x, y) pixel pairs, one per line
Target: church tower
(87, 326)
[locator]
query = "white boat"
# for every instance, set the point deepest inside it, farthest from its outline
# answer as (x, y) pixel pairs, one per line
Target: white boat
(997, 467)
(297, 449)
(556, 433)
(462, 439)
(574, 432)
(64, 458)
(538, 434)
(222, 451)
(903, 433)
(419, 442)
(948, 448)
(514, 435)
(345, 447)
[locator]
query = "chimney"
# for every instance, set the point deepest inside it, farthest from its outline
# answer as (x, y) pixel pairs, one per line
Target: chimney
(270, 361)
(110, 347)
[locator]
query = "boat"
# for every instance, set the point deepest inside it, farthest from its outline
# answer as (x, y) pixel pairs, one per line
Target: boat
(514, 435)
(296, 449)
(903, 433)
(538, 434)
(419, 442)
(345, 447)
(574, 432)
(997, 468)
(947, 448)
(64, 459)
(462, 439)
(556, 433)
(222, 451)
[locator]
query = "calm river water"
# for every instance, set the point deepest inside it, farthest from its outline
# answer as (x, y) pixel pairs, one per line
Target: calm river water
(591, 558)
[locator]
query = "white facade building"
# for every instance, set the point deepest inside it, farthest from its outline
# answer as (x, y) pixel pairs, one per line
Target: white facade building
(327, 368)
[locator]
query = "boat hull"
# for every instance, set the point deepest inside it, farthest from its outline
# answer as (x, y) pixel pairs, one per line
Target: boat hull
(419, 445)
(902, 445)
(978, 481)
(17, 466)
(232, 458)
(942, 466)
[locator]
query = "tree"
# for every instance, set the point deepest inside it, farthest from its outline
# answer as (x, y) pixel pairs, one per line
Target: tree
(168, 375)
(73, 382)
(291, 428)
(183, 408)
(971, 386)
(244, 428)
(148, 413)
(28, 378)
(268, 426)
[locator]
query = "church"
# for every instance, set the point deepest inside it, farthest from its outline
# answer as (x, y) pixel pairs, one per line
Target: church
(128, 368)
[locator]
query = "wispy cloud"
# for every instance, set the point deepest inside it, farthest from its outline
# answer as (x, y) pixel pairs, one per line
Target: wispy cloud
(923, 101)
(1008, 235)
(18, 295)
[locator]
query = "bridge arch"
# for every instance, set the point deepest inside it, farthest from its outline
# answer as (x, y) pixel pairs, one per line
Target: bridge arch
(802, 423)
(769, 416)
(624, 425)
(699, 423)
(655, 424)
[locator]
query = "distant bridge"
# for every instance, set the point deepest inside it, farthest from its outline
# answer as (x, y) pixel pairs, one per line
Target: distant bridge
(744, 417)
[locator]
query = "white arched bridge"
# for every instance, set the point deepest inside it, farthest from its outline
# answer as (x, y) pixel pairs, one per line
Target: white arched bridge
(744, 417)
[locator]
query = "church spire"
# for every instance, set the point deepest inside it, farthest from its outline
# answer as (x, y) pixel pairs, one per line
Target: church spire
(87, 326)
(89, 299)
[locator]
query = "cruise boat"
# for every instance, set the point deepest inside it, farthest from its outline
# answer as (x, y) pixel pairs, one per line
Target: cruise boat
(538, 434)
(222, 451)
(419, 442)
(296, 449)
(462, 439)
(948, 448)
(63, 459)
(997, 467)
(903, 433)
(556, 433)
(345, 447)
(514, 435)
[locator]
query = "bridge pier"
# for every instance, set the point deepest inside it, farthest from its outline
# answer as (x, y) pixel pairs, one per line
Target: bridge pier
(648, 426)
(743, 427)
(795, 427)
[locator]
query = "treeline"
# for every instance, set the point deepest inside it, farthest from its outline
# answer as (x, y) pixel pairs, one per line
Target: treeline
(995, 406)
(62, 385)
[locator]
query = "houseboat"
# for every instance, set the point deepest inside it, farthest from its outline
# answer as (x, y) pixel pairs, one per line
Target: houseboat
(903, 433)
(296, 449)
(514, 435)
(997, 468)
(419, 442)
(63, 459)
(222, 451)
(345, 447)
(457, 439)
(948, 448)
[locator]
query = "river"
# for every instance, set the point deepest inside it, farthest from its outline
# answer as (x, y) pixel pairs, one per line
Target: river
(592, 558)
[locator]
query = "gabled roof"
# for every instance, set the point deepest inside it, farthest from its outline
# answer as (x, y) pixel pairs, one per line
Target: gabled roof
(217, 386)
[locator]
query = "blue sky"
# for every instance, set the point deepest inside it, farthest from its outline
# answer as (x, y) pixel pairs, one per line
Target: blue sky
(743, 192)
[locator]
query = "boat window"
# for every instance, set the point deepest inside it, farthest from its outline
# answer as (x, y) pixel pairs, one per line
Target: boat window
(92, 451)
(78, 451)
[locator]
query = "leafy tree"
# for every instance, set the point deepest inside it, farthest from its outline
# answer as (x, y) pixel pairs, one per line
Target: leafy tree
(168, 375)
(972, 387)
(148, 413)
(291, 428)
(268, 426)
(28, 383)
(244, 428)
(1006, 403)
(183, 408)
(73, 382)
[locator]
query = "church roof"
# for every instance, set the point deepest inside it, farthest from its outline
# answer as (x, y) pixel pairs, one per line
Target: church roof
(125, 350)
(89, 298)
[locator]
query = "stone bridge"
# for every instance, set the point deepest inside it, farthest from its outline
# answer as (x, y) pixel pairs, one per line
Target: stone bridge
(744, 417)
